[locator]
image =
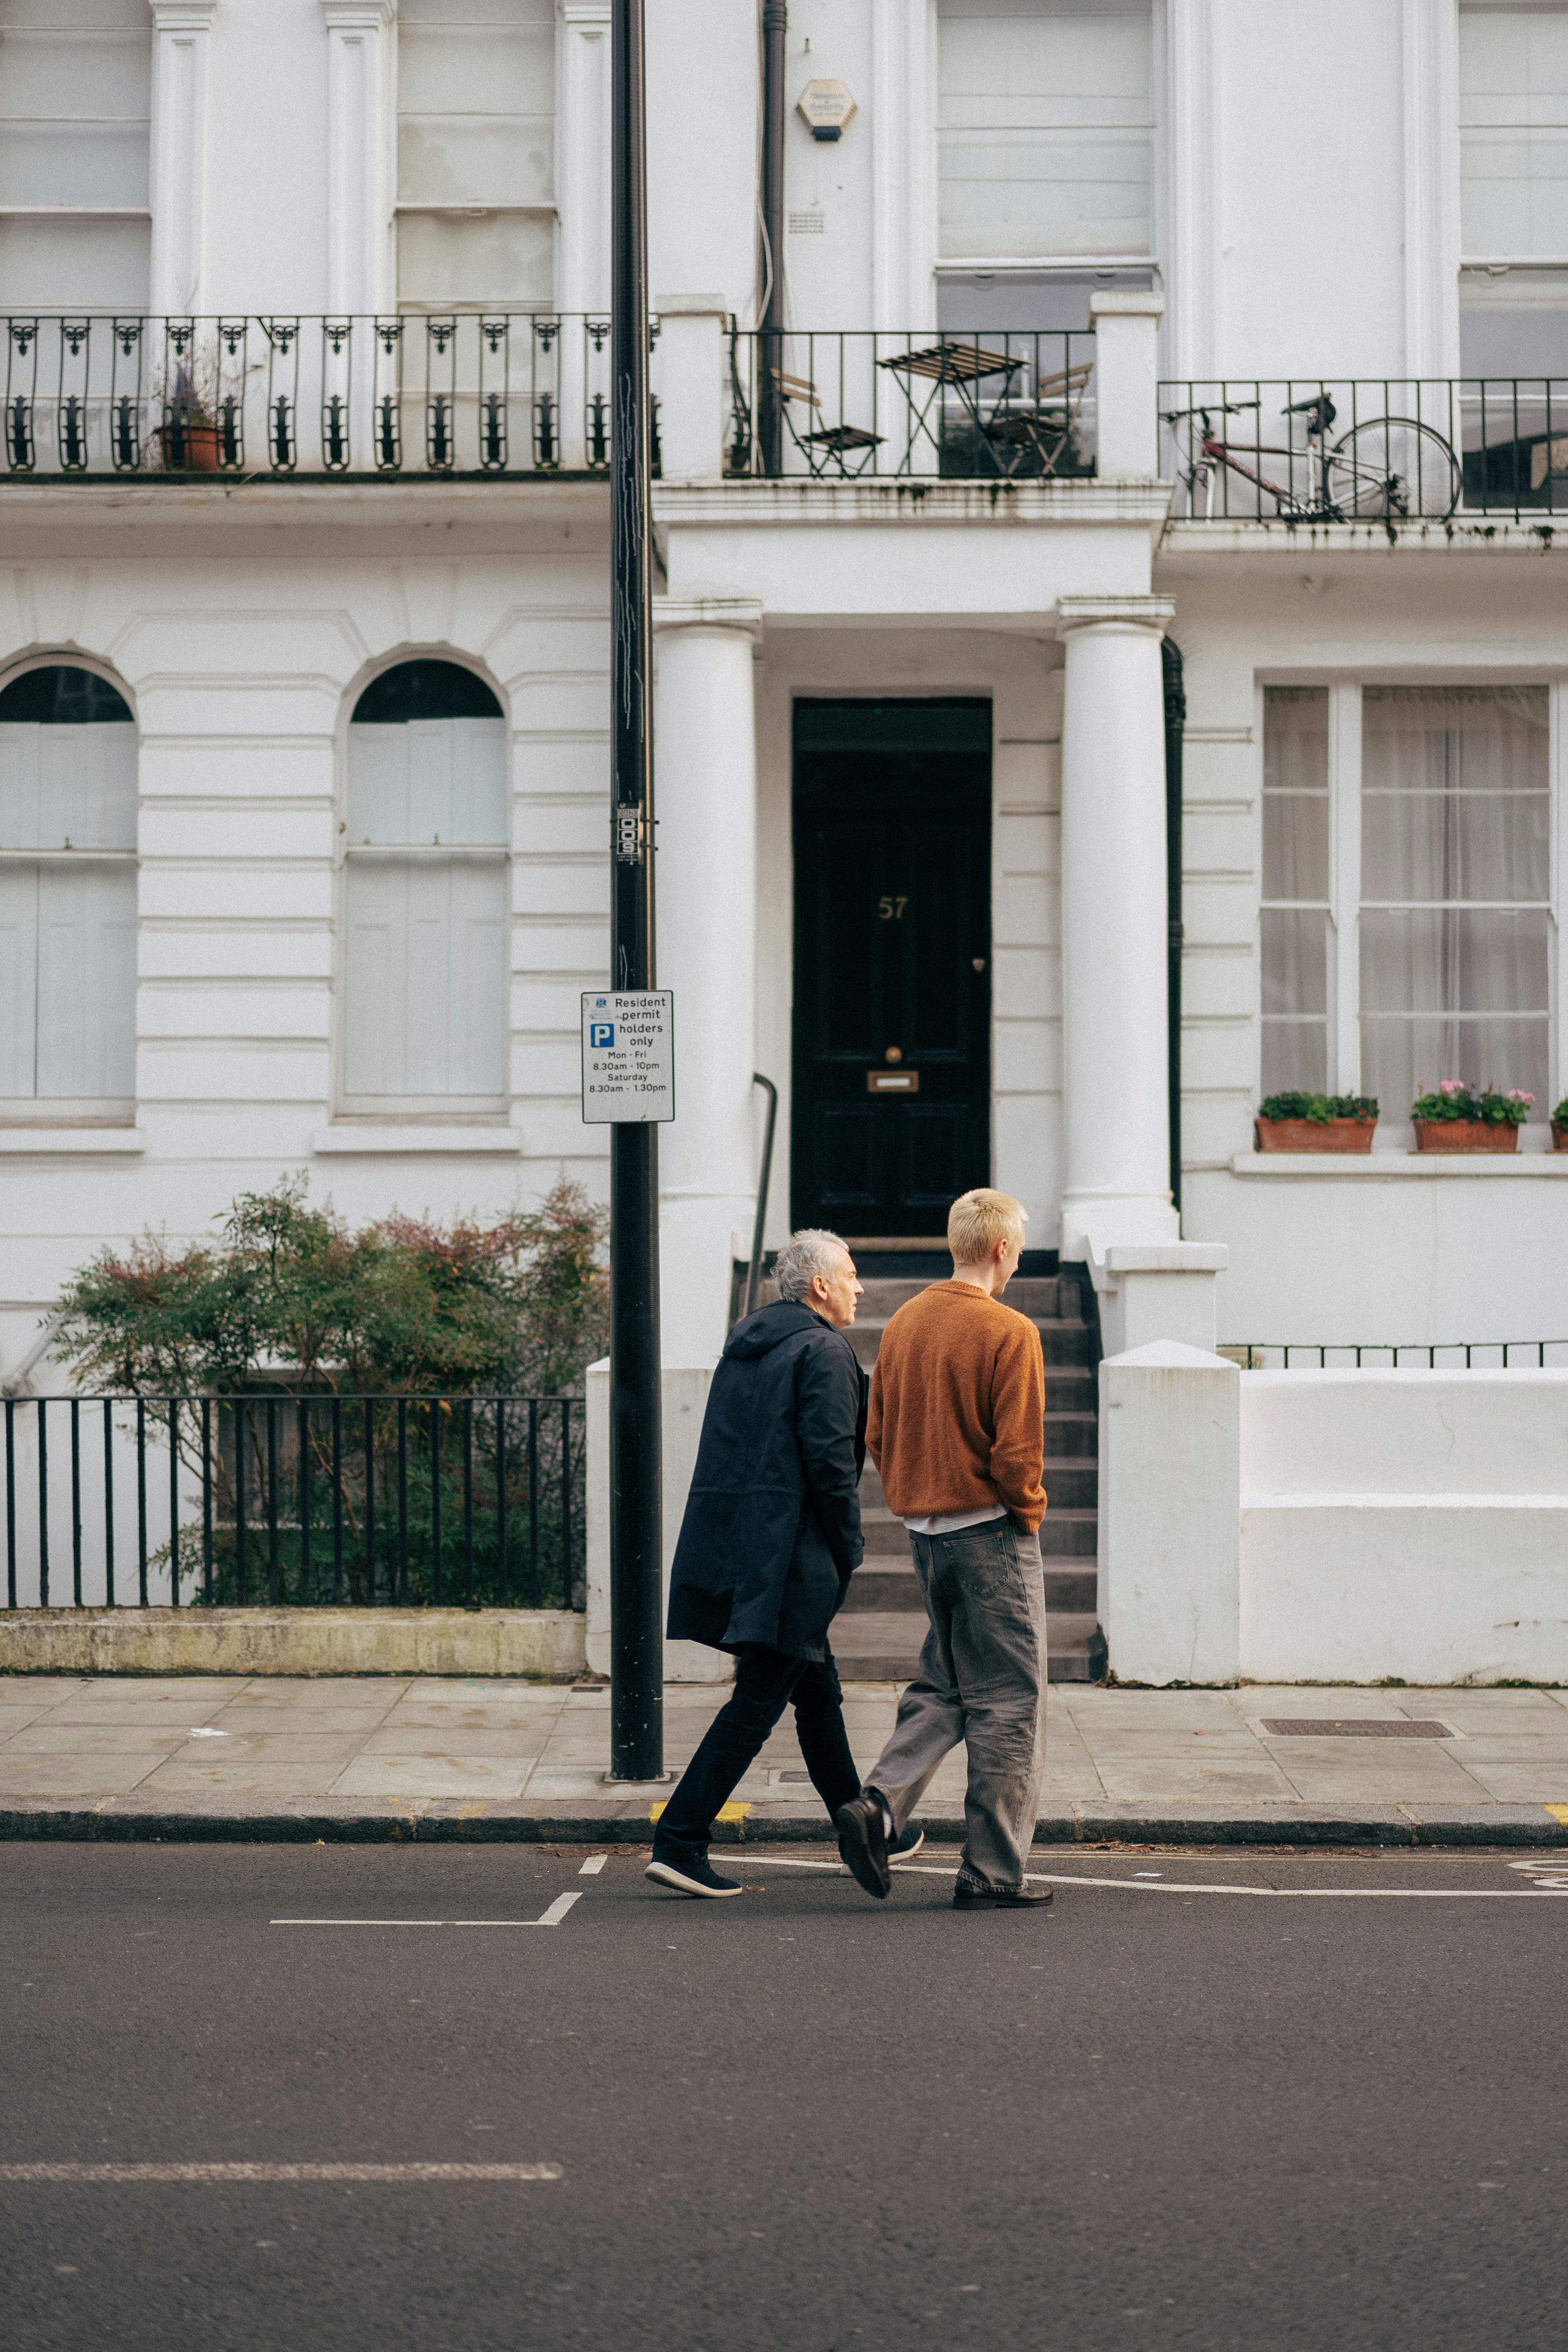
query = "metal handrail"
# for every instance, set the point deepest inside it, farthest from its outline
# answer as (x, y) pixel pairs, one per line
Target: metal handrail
(754, 1270)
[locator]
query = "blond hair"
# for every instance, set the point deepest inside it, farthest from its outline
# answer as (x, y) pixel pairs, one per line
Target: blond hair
(978, 1221)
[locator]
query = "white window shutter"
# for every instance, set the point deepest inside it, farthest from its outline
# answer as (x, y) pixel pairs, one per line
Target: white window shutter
(18, 979)
(86, 980)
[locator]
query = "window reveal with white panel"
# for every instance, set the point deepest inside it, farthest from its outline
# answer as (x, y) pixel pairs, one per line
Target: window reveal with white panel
(75, 103)
(68, 900)
(1406, 928)
(424, 902)
(1045, 144)
(475, 172)
(1513, 191)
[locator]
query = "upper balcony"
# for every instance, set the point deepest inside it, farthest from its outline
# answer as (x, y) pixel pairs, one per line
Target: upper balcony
(1452, 458)
(519, 395)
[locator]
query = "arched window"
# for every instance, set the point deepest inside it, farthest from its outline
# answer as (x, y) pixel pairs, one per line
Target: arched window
(68, 896)
(425, 917)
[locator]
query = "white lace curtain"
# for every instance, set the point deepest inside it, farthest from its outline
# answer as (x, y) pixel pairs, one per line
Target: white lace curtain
(1455, 824)
(1454, 881)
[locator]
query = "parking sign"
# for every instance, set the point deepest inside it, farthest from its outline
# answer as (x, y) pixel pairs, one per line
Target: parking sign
(628, 1056)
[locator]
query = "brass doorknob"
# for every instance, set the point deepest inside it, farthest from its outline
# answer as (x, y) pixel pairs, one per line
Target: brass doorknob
(893, 1053)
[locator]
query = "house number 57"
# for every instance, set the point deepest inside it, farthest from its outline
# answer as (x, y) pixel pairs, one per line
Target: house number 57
(891, 910)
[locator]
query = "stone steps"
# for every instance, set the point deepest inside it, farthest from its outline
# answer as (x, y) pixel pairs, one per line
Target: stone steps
(876, 1645)
(878, 1633)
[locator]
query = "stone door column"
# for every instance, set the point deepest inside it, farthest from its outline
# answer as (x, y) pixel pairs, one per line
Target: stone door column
(1113, 917)
(704, 742)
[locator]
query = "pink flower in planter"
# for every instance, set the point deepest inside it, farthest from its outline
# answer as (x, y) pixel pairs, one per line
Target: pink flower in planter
(1517, 1093)
(1452, 1086)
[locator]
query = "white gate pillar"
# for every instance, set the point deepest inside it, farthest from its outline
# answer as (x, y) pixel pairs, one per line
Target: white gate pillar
(1113, 925)
(704, 736)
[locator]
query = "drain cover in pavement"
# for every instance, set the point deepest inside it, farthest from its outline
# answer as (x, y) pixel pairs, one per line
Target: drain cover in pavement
(1356, 1726)
(794, 1775)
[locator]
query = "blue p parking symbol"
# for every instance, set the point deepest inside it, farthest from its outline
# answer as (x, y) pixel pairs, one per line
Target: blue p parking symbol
(601, 1033)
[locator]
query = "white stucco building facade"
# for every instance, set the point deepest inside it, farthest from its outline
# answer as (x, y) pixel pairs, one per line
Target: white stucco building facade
(316, 881)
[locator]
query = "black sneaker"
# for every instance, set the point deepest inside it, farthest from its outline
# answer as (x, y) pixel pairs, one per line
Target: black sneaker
(863, 1841)
(908, 1842)
(693, 1874)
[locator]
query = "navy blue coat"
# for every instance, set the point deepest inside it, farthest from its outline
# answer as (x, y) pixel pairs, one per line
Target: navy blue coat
(772, 1528)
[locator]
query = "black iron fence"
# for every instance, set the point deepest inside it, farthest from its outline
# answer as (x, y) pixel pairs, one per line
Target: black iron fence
(421, 1501)
(1445, 1356)
(475, 393)
(991, 407)
(1381, 450)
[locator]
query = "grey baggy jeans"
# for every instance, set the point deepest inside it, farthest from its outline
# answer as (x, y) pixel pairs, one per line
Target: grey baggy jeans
(981, 1679)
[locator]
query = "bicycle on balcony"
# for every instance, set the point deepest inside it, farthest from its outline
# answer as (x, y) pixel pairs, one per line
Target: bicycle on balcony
(1385, 470)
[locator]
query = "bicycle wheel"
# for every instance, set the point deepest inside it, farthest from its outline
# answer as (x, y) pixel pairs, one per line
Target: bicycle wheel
(1392, 470)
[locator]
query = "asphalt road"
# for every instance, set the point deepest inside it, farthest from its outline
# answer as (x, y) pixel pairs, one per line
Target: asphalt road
(1146, 2118)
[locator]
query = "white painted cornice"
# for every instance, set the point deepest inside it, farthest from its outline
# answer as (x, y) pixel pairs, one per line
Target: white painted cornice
(743, 613)
(358, 15)
(184, 15)
(1155, 613)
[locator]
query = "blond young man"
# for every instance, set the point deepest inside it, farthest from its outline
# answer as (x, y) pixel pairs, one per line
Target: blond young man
(957, 1429)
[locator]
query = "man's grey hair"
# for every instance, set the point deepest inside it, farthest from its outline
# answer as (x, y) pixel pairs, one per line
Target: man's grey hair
(803, 1255)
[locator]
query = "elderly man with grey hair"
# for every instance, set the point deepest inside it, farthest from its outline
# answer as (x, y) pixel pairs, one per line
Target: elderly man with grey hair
(771, 1538)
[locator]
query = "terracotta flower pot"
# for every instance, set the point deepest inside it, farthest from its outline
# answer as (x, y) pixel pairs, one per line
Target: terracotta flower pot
(1559, 1135)
(191, 448)
(1466, 1135)
(1312, 1135)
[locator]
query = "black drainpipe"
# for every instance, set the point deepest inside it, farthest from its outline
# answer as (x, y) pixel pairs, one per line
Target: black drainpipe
(769, 404)
(1176, 720)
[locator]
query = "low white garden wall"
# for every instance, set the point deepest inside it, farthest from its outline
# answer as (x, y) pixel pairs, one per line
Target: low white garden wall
(1409, 1523)
(1331, 1526)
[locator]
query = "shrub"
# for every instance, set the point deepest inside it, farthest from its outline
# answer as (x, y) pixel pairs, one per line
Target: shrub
(1452, 1098)
(313, 1499)
(1319, 1109)
(290, 1299)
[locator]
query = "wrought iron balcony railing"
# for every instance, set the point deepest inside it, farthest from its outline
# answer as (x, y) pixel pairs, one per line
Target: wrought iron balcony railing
(449, 394)
(1385, 451)
(982, 407)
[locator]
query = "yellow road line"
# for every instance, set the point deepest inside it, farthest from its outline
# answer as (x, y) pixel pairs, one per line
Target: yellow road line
(731, 1812)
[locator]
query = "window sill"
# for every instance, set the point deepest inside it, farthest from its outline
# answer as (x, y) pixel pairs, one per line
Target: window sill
(1380, 1164)
(75, 1141)
(364, 1142)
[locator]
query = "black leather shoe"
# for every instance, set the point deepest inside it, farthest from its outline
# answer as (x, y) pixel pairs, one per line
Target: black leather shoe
(1002, 1898)
(862, 1843)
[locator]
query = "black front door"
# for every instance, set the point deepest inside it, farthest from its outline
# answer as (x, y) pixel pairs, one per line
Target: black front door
(891, 1118)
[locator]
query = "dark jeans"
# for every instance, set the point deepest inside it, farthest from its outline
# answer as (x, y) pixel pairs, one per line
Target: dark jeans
(766, 1683)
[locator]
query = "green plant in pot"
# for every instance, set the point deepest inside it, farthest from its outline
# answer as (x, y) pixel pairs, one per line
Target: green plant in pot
(1308, 1122)
(1455, 1116)
(1560, 1126)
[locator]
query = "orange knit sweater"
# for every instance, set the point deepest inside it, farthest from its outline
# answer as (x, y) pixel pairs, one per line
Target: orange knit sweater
(958, 1405)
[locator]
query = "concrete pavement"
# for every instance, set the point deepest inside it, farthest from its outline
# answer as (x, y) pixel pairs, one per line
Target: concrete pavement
(366, 1756)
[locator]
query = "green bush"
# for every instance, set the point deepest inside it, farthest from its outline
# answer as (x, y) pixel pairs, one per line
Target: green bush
(279, 1338)
(1319, 1109)
(1451, 1098)
(290, 1299)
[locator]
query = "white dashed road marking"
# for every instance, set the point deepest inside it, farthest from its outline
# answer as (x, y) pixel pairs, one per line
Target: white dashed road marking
(549, 1918)
(593, 1865)
(69, 2173)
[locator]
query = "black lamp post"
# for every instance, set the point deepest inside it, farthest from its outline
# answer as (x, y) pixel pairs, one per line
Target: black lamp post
(636, 1545)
